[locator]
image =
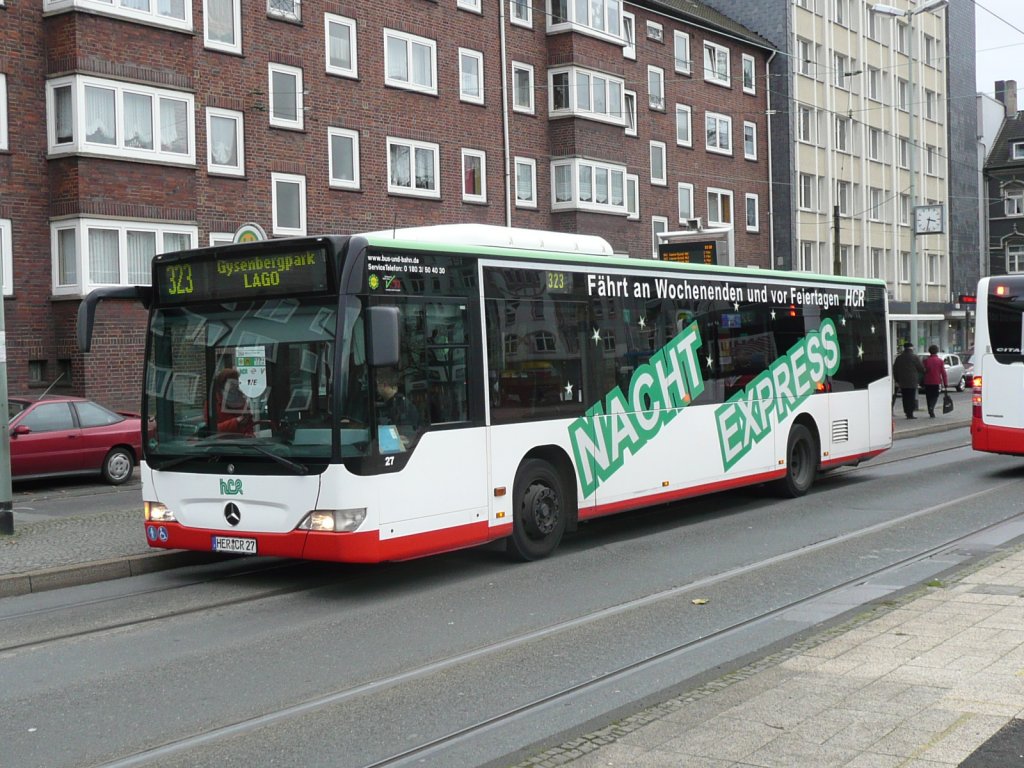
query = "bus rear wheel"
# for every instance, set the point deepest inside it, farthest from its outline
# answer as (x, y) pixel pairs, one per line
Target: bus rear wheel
(539, 514)
(801, 463)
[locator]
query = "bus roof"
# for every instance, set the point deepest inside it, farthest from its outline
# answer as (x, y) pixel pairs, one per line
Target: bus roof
(501, 237)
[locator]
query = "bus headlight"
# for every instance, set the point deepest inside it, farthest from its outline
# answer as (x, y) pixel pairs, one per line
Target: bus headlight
(333, 520)
(157, 512)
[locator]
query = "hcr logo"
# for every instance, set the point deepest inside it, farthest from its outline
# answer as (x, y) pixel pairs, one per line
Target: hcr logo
(231, 487)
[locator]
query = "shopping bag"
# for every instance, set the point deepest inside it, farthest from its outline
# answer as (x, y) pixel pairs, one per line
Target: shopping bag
(947, 403)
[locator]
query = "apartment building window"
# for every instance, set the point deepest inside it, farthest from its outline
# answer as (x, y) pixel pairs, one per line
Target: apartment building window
(806, 4)
(807, 184)
(171, 14)
(684, 125)
(629, 98)
(288, 201)
(410, 62)
(805, 54)
(902, 37)
(806, 124)
(90, 252)
(681, 52)
(931, 57)
(585, 93)
(841, 12)
(902, 94)
(904, 152)
(222, 25)
(521, 12)
(413, 168)
(753, 219)
(119, 119)
(659, 225)
(3, 113)
(931, 161)
(225, 142)
(656, 88)
(6, 254)
(343, 158)
(1013, 202)
(1017, 150)
(286, 110)
(588, 186)
(474, 176)
(750, 140)
(843, 197)
(749, 81)
(603, 17)
(876, 145)
(340, 45)
(522, 88)
(629, 35)
(934, 268)
(877, 265)
(718, 133)
(904, 210)
(526, 182)
(808, 256)
(684, 193)
(904, 276)
(655, 32)
(875, 204)
(840, 69)
(719, 206)
(842, 134)
(929, 104)
(471, 76)
(632, 196)
(716, 64)
(872, 26)
(285, 9)
(845, 262)
(658, 172)
(469, 5)
(874, 78)
(1014, 259)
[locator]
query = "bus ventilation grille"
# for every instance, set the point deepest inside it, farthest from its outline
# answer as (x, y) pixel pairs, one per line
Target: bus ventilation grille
(840, 431)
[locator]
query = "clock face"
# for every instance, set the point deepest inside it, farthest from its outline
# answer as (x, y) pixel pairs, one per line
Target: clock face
(928, 218)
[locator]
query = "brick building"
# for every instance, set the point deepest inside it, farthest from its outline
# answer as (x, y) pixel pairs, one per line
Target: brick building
(134, 127)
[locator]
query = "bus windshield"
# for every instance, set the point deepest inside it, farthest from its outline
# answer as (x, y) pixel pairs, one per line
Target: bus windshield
(249, 379)
(1006, 319)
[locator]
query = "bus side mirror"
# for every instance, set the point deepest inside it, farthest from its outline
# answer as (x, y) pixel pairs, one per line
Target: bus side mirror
(383, 336)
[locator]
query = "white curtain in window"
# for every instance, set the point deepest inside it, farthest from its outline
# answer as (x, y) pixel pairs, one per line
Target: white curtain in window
(220, 21)
(103, 262)
(398, 60)
(223, 140)
(601, 186)
(563, 183)
(524, 182)
(341, 158)
(400, 166)
(138, 120)
(582, 91)
(173, 9)
(62, 114)
(586, 183)
(617, 188)
(141, 250)
(421, 65)
(424, 169)
(340, 45)
(174, 126)
(175, 241)
(100, 127)
(67, 261)
(470, 77)
(138, 5)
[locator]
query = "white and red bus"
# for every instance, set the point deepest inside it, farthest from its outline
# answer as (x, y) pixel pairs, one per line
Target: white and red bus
(997, 416)
(541, 382)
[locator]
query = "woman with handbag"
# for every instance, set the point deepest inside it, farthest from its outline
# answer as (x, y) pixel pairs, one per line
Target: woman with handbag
(934, 377)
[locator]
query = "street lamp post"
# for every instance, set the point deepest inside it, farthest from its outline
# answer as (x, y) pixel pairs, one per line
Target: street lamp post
(912, 139)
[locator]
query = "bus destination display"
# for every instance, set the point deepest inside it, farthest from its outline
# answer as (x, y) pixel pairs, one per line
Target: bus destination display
(242, 277)
(702, 252)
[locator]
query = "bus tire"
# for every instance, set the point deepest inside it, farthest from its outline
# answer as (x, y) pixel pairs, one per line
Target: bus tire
(118, 466)
(801, 463)
(539, 514)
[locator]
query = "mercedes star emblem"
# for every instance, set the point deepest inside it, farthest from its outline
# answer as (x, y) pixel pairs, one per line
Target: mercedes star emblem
(232, 514)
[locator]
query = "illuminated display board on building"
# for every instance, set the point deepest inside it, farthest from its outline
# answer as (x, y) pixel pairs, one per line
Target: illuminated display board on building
(696, 252)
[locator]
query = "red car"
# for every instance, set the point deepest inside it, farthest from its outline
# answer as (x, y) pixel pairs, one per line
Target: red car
(72, 436)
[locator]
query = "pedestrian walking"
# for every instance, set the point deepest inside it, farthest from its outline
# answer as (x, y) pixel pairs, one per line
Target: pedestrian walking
(934, 377)
(908, 371)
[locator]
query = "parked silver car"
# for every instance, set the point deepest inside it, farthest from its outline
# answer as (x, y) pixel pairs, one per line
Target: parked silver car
(954, 370)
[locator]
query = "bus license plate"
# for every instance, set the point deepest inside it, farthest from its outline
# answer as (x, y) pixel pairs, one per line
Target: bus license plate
(234, 545)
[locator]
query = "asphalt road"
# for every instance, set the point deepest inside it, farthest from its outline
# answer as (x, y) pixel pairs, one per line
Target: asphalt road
(258, 663)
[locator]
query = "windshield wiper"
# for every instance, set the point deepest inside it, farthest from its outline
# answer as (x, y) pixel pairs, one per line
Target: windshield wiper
(294, 466)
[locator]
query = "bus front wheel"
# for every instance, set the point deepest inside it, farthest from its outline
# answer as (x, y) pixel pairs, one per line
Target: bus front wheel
(539, 515)
(801, 463)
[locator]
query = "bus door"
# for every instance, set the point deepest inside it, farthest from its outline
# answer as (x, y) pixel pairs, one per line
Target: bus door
(426, 435)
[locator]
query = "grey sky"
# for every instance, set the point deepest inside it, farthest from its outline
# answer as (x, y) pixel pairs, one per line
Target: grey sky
(1000, 42)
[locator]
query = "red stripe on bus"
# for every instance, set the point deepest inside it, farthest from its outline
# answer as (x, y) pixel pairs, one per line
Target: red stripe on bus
(993, 439)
